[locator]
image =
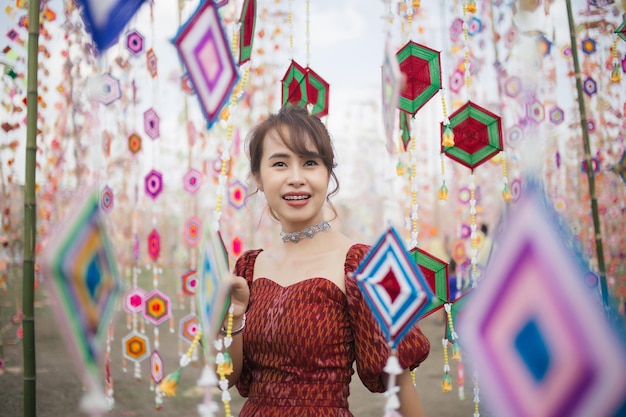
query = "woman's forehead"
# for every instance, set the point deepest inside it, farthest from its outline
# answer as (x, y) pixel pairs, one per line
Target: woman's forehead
(286, 137)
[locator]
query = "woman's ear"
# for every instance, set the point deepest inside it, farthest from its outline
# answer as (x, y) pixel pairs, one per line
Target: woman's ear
(258, 182)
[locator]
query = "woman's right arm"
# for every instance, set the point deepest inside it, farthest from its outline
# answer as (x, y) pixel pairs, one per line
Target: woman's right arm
(239, 297)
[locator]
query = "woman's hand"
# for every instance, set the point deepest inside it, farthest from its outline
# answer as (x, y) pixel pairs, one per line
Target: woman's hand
(239, 297)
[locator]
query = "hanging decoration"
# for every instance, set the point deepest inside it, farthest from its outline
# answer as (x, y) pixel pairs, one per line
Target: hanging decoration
(79, 266)
(477, 135)
(525, 347)
(435, 272)
(396, 292)
(391, 83)
(204, 48)
(303, 86)
(247, 23)
(422, 70)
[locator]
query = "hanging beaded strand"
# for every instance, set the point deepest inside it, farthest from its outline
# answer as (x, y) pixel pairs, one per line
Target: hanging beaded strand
(616, 73)
(414, 204)
(506, 192)
(224, 362)
(474, 259)
(447, 140)
(467, 7)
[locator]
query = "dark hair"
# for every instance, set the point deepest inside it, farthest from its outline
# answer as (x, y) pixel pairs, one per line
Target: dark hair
(297, 129)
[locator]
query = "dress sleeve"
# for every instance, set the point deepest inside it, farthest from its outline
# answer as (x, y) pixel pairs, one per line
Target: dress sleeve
(371, 348)
(244, 267)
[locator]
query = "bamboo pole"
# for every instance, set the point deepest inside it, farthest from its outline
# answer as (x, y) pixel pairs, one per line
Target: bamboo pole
(587, 149)
(30, 215)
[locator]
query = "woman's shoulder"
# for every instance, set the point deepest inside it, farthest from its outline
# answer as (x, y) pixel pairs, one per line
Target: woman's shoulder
(244, 266)
(355, 255)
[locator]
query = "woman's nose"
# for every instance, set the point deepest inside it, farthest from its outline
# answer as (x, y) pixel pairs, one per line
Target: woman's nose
(296, 176)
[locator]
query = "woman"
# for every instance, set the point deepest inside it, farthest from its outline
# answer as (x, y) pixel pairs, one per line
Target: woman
(304, 321)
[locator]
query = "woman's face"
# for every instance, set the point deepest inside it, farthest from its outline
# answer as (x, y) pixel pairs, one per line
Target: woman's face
(295, 186)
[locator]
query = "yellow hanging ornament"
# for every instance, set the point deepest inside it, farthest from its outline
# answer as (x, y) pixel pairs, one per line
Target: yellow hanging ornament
(443, 192)
(616, 75)
(447, 139)
(471, 6)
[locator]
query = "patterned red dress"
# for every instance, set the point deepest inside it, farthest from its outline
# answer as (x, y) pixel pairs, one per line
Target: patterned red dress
(301, 341)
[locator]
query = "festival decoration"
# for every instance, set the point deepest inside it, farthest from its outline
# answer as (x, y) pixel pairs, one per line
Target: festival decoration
(391, 81)
(151, 123)
(106, 199)
(106, 89)
(152, 63)
(435, 273)
(189, 282)
(621, 30)
(556, 115)
(189, 327)
(303, 86)
(157, 307)
(136, 347)
(156, 367)
(477, 135)
(134, 143)
(154, 245)
(193, 231)
(422, 69)
(203, 46)
(79, 266)
(105, 19)
(153, 184)
(134, 300)
(192, 180)
(247, 23)
(537, 355)
(134, 42)
(237, 193)
(397, 294)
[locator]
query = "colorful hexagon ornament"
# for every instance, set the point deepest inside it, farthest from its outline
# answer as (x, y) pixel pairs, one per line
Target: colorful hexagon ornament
(544, 46)
(514, 134)
(106, 199)
(135, 347)
(192, 180)
(133, 300)
(590, 87)
(189, 327)
(459, 254)
(134, 143)
(107, 89)
(134, 42)
(154, 245)
(456, 29)
(189, 282)
(151, 123)
(236, 246)
(556, 115)
(153, 184)
(293, 83)
(475, 26)
(157, 307)
(237, 194)
(421, 67)
(193, 231)
(477, 135)
(456, 81)
(535, 111)
(588, 46)
(621, 30)
(513, 86)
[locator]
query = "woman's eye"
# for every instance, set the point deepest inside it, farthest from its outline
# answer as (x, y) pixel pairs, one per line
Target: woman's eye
(279, 164)
(311, 163)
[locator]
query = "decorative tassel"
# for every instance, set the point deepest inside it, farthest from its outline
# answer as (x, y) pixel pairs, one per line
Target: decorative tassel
(443, 192)
(460, 379)
(471, 6)
(456, 352)
(447, 139)
(446, 384)
(506, 193)
(169, 384)
(616, 75)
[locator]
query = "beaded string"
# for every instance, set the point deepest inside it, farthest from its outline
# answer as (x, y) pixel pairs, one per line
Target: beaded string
(506, 192)
(290, 23)
(224, 362)
(447, 140)
(616, 73)
(414, 205)
(168, 386)
(476, 395)
(474, 258)
(468, 7)
(446, 384)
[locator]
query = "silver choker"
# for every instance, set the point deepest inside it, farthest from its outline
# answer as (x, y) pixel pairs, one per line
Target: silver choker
(309, 232)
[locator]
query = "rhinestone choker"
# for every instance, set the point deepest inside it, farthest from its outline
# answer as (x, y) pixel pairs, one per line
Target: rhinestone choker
(309, 232)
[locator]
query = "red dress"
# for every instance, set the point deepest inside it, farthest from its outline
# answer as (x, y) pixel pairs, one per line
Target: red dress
(300, 343)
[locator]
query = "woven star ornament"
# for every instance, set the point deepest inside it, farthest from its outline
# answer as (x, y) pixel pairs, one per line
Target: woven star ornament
(393, 286)
(78, 264)
(204, 47)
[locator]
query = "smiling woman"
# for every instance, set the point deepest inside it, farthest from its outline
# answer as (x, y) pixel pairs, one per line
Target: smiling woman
(303, 322)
